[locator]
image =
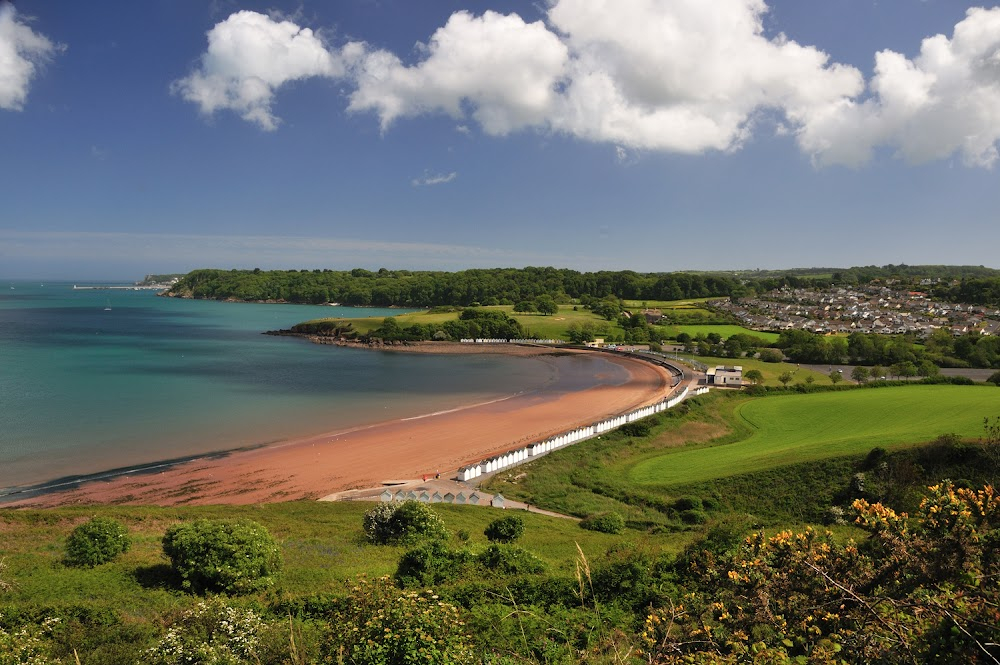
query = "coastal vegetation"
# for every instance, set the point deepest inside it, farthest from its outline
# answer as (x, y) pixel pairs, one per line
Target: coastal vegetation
(688, 523)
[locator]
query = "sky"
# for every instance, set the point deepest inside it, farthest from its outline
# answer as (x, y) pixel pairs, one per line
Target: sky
(648, 135)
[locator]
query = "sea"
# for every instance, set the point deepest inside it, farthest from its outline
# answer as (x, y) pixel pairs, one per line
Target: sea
(99, 381)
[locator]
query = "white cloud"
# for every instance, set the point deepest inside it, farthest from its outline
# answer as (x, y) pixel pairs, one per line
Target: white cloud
(249, 57)
(504, 68)
(944, 101)
(22, 52)
(438, 179)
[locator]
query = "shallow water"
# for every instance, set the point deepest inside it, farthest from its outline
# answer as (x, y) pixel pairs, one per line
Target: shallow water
(85, 389)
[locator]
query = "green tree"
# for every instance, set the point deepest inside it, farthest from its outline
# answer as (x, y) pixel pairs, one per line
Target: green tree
(406, 522)
(231, 556)
(836, 377)
(754, 376)
(785, 378)
(771, 355)
(860, 374)
(878, 372)
(994, 378)
(525, 306)
(546, 305)
(96, 541)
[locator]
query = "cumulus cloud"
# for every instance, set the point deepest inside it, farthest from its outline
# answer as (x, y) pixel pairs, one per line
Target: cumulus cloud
(22, 52)
(944, 101)
(249, 57)
(504, 68)
(438, 179)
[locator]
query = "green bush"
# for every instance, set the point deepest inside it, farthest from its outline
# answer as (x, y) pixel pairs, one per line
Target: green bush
(638, 428)
(379, 624)
(688, 503)
(96, 541)
(994, 378)
(211, 633)
(509, 560)
(406, 522)
(605, 523)
(505, 530)
(693, 516)
(232, 556)
(430, 564)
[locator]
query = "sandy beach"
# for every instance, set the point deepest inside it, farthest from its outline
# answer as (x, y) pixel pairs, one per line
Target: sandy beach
(319, 465)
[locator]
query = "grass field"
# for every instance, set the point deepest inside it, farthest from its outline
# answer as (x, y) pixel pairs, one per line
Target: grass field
(690, 303)
(798, 428)
(771, 371)
(726, 331)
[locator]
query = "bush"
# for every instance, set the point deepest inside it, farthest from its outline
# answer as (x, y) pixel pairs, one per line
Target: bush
(605, 523)
(393, 523)
(688, 503)
(378, 623)
(505, 529)
(771, 355)
(994, 379)
(693, 516)
(638, 428)
(431, 564)
(210, 633)
(232, 556)
(509, 560)
(96, 541)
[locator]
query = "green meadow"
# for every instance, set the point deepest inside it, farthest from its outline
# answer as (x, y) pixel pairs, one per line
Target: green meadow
(725, 331)
(771, 371)
(792, 429)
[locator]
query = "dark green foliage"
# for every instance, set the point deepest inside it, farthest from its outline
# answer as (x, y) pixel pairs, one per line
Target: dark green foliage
(688, 503)
(96, 541)
(638, 428)
(432, 563)
(505, 530)
(406, 522)
(232, 556)
(605, 523)
(504, 560)
(771, 355)
(994, 378)
(693, 516)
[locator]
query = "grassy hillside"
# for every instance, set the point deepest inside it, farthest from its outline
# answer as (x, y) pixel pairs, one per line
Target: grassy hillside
(791, 429)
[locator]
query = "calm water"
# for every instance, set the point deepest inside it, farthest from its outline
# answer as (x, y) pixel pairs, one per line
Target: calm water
(83, 389)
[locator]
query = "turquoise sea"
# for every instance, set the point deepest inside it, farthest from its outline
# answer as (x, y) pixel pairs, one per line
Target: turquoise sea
(85, 389)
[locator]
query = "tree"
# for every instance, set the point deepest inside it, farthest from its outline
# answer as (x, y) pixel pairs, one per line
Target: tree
(547, 306)
(785, 378)
(231, 556)
(754, 376)
(96, 541)
(836, 377)
(525, 306)
(859, 374)
(878, 372)
(994, 379)
(771, 355)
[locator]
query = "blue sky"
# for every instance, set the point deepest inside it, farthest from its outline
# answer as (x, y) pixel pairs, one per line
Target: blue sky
(653, 135)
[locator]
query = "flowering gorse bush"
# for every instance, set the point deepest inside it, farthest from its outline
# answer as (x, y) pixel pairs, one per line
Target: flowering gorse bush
(210, 634)
(920, 589)
(380, 625)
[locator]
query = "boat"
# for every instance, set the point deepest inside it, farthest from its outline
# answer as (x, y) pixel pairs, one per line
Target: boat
(107, 306)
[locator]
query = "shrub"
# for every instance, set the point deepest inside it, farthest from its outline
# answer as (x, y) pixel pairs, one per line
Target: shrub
(509, 560)
(210, 633)
(693, 516)
(406, 522)
(96, 541)
(233, 556)
(505, 530)
(27, 645)
(638, 428)
(378, 623)
(994, 378)
(430, 564)
(688, 503)
(771, 355)
(605, 523)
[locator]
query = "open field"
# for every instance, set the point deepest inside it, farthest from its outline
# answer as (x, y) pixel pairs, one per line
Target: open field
(690, 303)
(726, 331)
(798, 428)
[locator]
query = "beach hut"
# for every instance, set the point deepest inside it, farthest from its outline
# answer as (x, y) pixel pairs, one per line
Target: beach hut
(498, 501)
(424, 497)
(460, 498)
(400, 496)
(436, 497)
(385, 496)
(411, 496)
(474, 498)
(448, 498)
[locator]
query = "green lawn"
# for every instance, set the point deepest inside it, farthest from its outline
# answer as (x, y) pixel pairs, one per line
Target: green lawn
(798, 428)
(726, 331)
(771, 371)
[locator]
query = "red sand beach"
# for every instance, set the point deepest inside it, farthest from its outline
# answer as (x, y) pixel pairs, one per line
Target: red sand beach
(315, 466)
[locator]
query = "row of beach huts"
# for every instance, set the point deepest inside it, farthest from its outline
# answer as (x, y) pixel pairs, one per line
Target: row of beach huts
(515, 457)
(462, 499)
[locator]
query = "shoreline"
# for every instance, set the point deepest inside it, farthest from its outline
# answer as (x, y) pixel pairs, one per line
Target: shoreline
(366, 455)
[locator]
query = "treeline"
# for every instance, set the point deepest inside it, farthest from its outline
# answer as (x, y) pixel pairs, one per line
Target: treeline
(405, 288)
(971, 291)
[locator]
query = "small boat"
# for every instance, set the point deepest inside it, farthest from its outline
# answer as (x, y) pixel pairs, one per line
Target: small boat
(107, 306)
